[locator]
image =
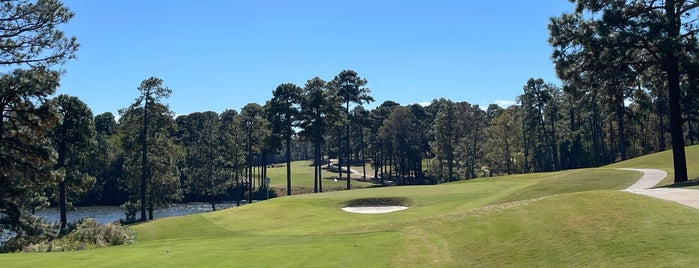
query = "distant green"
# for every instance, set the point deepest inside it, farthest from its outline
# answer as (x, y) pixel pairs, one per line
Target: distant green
(302, 178)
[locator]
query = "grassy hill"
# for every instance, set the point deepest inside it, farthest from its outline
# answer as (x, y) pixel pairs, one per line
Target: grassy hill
(569, 218)
(663, 161)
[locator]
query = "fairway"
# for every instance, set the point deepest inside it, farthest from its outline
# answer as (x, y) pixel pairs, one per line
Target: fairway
(663, 161)
(302, 178)
(567, 218)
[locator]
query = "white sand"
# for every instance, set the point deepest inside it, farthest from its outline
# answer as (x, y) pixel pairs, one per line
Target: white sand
(374, 210)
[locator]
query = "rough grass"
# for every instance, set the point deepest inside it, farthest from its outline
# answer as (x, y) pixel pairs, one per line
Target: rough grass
(572, 218)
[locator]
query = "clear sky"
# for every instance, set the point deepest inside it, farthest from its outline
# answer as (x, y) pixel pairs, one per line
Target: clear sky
(217, 55)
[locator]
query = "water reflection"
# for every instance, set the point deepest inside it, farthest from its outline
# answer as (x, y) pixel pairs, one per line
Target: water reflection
(107, 214)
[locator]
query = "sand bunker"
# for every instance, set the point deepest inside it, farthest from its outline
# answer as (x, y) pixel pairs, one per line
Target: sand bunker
(374, 209)
(375, 205)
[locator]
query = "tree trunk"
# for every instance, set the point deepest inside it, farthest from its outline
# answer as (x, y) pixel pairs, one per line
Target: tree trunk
(622, 132)
(62, 203)
(316, 166)
(144, 160)
(612, 145)
(249, 170)
(340, 153)
(525, 164)
(472, 167)
(554, 143)
(376, 166)
(238, 195)
(573, 158)
(263, 175)
(390, 166)
(598, 138)
(61, 163)
(543, 164)
(671, 66)
(320, 162)
(288, 165)
(402, 163)
(508, 155)
(349, 149)
(661, 130)
(361, 134)
(678, 154)
(316, 154)
(382, 164)
(450, 165)
(441, 167)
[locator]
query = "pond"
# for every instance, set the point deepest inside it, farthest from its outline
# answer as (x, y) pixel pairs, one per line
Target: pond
(107, 214)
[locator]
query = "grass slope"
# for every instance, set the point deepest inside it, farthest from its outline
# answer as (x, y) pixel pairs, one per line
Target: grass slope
(569, 218)
(663, 161)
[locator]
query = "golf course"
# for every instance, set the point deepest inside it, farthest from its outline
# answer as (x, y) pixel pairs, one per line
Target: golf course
(568, 218)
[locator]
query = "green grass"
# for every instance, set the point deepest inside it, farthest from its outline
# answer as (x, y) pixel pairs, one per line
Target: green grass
(569, 218)
(590, 229)
(302, 174)
(544, 184)
(302, 178)
(663, 161)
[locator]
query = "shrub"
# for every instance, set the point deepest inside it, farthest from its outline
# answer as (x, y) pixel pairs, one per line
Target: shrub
(131, 209)
(33, 230)
(85, 234)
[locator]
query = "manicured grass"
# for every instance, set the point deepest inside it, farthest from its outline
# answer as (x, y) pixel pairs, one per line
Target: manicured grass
(569, 218)
(301, 174)
(302, 178)
(544, 184)
(663, 161)
(584, 229)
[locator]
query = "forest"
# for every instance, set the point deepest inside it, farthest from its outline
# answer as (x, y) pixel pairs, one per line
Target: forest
(629, 88)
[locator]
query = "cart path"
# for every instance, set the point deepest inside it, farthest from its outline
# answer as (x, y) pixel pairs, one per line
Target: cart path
(651, 177)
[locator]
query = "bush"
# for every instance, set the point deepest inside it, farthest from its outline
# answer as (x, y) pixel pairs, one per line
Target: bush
(131, 209)
(33, 230)
(85, 234)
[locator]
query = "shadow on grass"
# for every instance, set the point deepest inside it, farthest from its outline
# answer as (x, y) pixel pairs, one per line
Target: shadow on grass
(378, 201)
(690, 183)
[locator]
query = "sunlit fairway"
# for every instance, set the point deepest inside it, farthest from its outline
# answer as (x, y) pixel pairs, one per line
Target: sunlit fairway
(663, 161)
(302, 178)
(569, 218)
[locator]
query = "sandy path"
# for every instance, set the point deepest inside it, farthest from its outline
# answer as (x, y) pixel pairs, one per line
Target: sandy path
(652, 177)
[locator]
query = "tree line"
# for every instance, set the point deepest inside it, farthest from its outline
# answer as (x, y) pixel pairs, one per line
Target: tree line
(628, 89)
(208, 156)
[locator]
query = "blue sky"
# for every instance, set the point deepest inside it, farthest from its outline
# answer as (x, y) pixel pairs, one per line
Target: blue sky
(218, 55)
